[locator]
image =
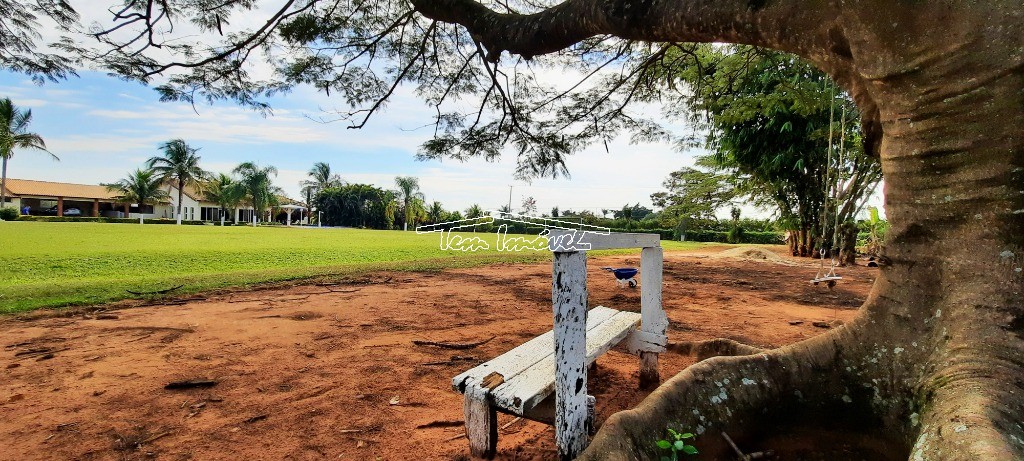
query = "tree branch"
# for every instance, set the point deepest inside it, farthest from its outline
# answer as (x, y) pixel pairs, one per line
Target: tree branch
(783, 24)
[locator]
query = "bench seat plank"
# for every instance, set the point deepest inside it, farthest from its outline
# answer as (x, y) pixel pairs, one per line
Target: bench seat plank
(525, 355)
(526, 390)
(528, 371)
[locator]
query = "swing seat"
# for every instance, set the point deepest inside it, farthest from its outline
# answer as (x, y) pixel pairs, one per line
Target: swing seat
(828, 278)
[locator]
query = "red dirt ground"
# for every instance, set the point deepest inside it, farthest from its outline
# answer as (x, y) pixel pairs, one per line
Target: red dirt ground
(311, 371)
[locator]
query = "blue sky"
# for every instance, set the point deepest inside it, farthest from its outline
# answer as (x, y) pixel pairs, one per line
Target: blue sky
(102, 127)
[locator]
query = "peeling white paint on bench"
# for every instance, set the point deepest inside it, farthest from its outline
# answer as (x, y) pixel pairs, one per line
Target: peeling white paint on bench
(529, 370)
(655, 321)
(515, 361)
(523, 392)
(545, 379)
(640, 341)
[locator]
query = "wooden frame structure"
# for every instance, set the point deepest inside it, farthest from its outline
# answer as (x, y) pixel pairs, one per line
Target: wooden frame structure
(522, 381)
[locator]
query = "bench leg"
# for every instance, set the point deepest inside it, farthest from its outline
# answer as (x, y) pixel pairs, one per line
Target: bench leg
(649, 376)
(481, 424)
(591, 423)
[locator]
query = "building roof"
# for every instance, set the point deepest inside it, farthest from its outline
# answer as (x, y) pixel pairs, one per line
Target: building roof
(285, 200)
(27, 187)
(191, 191)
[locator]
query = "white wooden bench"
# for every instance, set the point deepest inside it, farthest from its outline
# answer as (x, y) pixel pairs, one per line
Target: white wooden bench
(521, 381)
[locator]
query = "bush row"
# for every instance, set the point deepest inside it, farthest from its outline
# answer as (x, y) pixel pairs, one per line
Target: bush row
(105, 220)
(767, 238)
(8, 214)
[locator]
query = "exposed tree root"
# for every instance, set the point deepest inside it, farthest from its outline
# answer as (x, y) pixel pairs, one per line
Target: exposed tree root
(732, 394)
(713, 348)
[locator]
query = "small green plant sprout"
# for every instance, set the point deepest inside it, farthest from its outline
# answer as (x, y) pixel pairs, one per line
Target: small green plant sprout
(676, 443)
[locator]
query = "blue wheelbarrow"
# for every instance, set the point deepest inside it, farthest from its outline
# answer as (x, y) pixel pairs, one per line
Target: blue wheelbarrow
(624, 276)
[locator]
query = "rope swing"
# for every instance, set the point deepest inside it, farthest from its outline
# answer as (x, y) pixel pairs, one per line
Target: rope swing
(828, 275)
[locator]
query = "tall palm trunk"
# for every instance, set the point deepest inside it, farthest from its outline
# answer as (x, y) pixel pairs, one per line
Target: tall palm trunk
(181, 186)
(405, 222)
(3, 185)
(223, 212)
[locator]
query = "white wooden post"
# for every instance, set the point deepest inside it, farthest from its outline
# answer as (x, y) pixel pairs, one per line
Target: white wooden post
(569, 295)
(481, 423)
(652, 317)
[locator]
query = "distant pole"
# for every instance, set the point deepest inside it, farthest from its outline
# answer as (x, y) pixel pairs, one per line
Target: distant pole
(319, 219)
(510, 198)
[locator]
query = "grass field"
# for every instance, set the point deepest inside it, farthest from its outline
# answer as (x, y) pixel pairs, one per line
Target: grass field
(66, 264)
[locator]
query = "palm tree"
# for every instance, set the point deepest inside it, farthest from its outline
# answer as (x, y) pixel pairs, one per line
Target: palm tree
(474, 212)
(180, 164)
(321, 177)
(417, 211)
(408, 190)
(14, 135)
(142, 187)
(435, 213)
(258, 185)
(226, 192)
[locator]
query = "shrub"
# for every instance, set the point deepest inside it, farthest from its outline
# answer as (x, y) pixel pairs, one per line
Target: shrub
(736, 235)
(8, 214)
(105, 220)
(763, 238)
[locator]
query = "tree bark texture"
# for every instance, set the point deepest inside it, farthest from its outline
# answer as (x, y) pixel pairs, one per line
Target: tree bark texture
(935, 360)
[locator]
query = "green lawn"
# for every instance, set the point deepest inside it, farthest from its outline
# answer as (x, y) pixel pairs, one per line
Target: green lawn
(64, 264)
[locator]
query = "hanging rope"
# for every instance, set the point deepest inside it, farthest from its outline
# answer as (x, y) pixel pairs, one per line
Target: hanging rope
(831, 189)
(838, 183)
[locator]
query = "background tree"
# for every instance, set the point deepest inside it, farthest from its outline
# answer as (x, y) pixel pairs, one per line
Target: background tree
(308, 192)
(408, 191)
(321, 177)
(180, 165)
(259, 187)
(14, 134)
(453, 216)
(474, 211)
(143, 187)
(226, 192)
(876, 228)
(357, 205)
(694, 193)
(435, 212)
(19, 48)
(630, 213)
(416, 211)
(529, 206)
(777, 125)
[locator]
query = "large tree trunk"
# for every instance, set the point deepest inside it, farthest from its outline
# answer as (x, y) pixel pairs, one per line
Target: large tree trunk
(936, 358)
(935, 362)
(847, 243)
